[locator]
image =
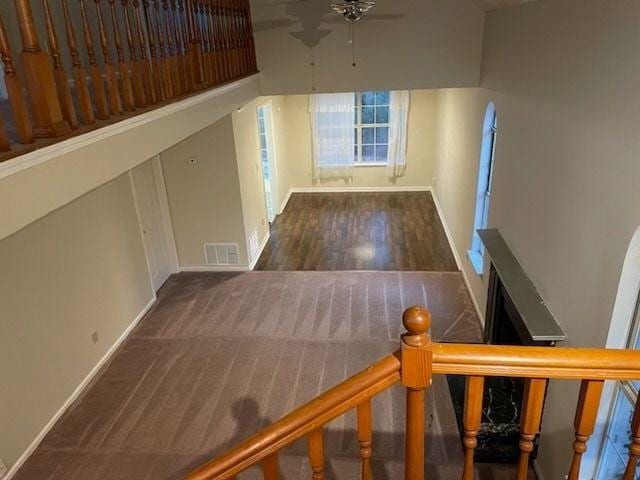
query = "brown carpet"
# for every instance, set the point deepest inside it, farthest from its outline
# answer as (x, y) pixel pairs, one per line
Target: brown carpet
(222, 355)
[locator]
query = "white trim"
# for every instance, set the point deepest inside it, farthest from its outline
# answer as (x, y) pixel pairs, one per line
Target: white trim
(370, 164)
(452, 245)
(215, 268)
(44, 154)
(141, 229)
(536, 469)
(360, 189)
(263, 244)
(166, 213)
(78, 391)
(283, 205)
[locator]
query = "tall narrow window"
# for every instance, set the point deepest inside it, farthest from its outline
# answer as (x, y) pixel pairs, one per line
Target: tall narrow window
(372, 127)
(483, 193)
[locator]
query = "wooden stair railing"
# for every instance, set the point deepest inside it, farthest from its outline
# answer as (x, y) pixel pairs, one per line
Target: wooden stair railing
(139, 54)
(413, 366)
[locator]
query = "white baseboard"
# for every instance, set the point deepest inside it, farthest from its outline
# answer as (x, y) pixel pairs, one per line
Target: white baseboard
(283, 205)
(456, 256)
(78, 391)
(536, 469)
(419, 188)
(263, 244)
(215, 268)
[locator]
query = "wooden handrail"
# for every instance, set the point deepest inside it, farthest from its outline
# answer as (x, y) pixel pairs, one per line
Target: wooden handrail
(336, 401)
(413, 365)
(536, 362)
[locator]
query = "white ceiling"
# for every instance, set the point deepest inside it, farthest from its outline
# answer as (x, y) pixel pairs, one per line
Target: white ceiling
(496, 4)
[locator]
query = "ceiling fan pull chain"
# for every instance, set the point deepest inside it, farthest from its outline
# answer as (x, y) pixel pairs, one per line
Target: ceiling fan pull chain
(352, 41)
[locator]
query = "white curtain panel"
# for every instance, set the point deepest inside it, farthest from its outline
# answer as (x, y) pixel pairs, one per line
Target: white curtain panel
(332, 129)
(398, 125)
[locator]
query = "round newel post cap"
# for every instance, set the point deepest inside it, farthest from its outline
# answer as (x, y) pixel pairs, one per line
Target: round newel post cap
(417, 320)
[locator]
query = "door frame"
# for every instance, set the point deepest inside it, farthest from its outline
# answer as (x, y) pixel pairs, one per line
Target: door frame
(273, 160)
(167, 223)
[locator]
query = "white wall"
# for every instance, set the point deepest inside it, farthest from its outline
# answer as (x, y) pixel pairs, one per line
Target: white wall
(77, 271)
(565, 196)
(420, 44)
(297, 162)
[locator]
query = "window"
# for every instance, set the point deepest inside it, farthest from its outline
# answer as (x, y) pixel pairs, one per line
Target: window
(372, 127)
(483, 193)
(615, 447)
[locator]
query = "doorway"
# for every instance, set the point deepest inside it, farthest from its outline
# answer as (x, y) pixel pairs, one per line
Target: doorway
(155, 222)
(267, 158)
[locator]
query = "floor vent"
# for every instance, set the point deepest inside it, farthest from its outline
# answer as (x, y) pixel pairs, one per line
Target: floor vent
(221, 253)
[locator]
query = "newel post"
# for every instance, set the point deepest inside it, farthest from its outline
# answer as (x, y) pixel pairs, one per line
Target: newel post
(416, 361)
(39, 78)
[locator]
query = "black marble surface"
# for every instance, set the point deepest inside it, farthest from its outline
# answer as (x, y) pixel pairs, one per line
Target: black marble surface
(500, 431)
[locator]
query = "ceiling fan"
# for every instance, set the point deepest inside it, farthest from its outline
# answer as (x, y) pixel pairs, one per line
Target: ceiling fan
(353, 10)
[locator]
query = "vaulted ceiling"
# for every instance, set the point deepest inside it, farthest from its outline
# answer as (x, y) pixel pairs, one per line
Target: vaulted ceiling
(496, 4)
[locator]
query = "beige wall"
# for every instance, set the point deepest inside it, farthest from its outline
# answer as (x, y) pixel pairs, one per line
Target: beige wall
(78, 270)
(421, 44)
(245, 129)
(297, 161)
(565, 190)
(204, 196)
(69, 169)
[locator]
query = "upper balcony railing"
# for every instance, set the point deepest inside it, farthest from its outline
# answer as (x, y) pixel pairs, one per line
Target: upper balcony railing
(77, 65)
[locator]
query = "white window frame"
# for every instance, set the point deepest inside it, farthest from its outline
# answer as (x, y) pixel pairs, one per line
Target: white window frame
(359, 126)
(483, 190)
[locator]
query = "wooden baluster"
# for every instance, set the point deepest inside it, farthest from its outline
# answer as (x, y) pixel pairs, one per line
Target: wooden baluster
(171, 50)
(180, 52)
(634, 447)
(206, 42)
(365, 438)
(184, 34)
(474, 394)
(153, 52)
(137, 75)
(270, 470)
(99, 91)
(147, 70)
(585, 421)
(62, 82)
(113, 92)
(194, 48)
(316, 453)
(48, 121)
(221, 42)
(15, 95)
(244, 41)
(238, 37)
(124, 68)
(5, 143)
(87, 115)
(252, 44)
(215, 68)
(416, 361)
(530, 419)
(165, 70)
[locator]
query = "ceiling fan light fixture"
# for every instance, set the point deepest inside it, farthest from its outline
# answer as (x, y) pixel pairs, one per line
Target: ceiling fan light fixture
(353, 10)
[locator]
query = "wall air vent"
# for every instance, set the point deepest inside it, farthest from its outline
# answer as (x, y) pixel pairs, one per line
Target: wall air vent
(221, 253)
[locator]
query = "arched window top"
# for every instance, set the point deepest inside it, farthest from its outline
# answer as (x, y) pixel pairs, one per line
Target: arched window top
(483, 192)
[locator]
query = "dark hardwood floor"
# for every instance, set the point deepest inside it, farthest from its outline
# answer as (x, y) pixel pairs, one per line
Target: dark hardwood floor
(358, 231)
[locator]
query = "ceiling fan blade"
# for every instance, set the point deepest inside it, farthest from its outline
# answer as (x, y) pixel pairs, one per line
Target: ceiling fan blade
(263, 25)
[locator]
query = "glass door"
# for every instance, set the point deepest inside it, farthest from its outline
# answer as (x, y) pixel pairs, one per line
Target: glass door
(615, 448)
